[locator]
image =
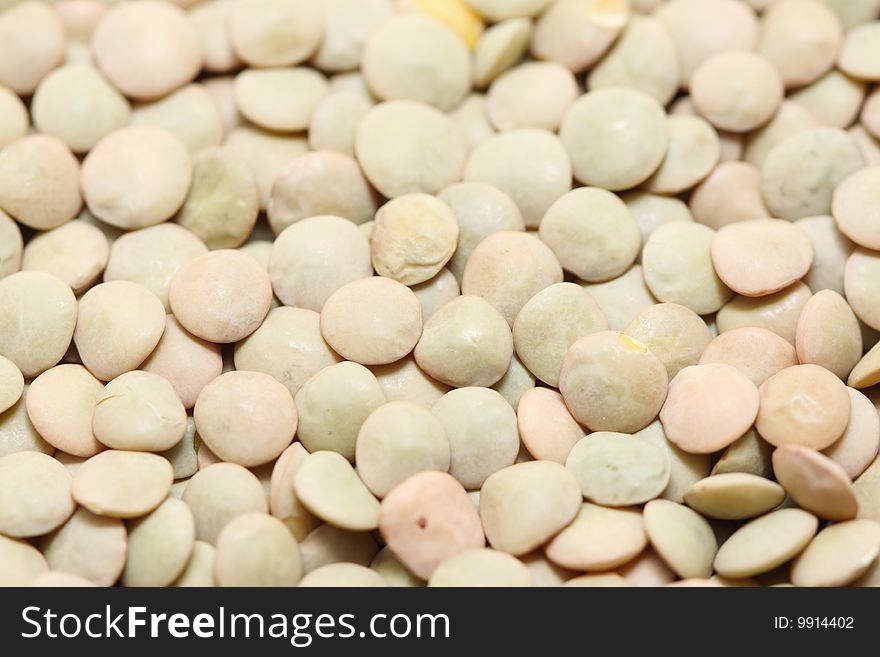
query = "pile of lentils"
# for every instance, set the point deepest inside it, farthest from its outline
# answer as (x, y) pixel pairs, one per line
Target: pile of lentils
(440, 292)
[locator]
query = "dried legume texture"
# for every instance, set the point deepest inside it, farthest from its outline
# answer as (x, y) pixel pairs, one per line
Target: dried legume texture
(444, 292)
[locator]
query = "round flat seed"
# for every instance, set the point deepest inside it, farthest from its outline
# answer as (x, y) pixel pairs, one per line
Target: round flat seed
(694, 150)
(372, 321)
(191, 114)
(750, 454)
(701, 28)
(481, 567)
(681, 537)
(55, 579)
(14, 118)
(834, 99)
(211, 21)
(392, 142)
(267, 154)
(531, 166)
(870, 115)
(760, 257)
(803, 405)
(280, 99)
(90, 546)
(730, 193)
(330, 488)
(275, 32)
(524, 505)
(11, 384)
(413, 238)
(482, 432)
(27, 60)
(222, 296)
(552, 90)
(348, 24)
(576, 34)
(35, 490)
(218, 493)
(708, 407)
(480, 210)
(428, 519)
(623, 298)
(515, 383)
(159, 545)
(328, 544)
(333, 405)
(417, 58)
(20, 562)
(831, 249)
(652, 211)
(17, 434)
(500, 10)
(545, 425)
(436, 292)
(859, 53)
(800, 39)
(255, 549)
(861, 284)
(673, 333)
(199, 570)
(684, 468)
(839, 554)
(509, 268)
(11, 245)
(815, 482)
(283, 503)
(75, 252)
(147, 48)
(500, 46)
(599, 539)
(122, 484)
(151, 256)
(858, 446)
(643, 58)
(342, 575)
(223, 201)
(828, 334)
(147, 166)
(598, 580)
(60, 404)
(405, 381)
(616, 469)
(465, 343)
(288, 346)
(789, 119)
(39, 182)
(800, 174)
(129, 312)
(737, 90)
(734, 496)
(247, 418)
(778, 312)
(396, 441)
(187, 362)
(678, 267)
(139, 411)
(616, 137)
(611, 382)
(854, 206)
(392, 570)
(592, 233)
(335, 122)
(320, 183)
(765, 543)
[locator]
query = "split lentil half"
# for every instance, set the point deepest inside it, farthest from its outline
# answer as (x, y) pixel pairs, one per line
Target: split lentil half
(448, 293)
